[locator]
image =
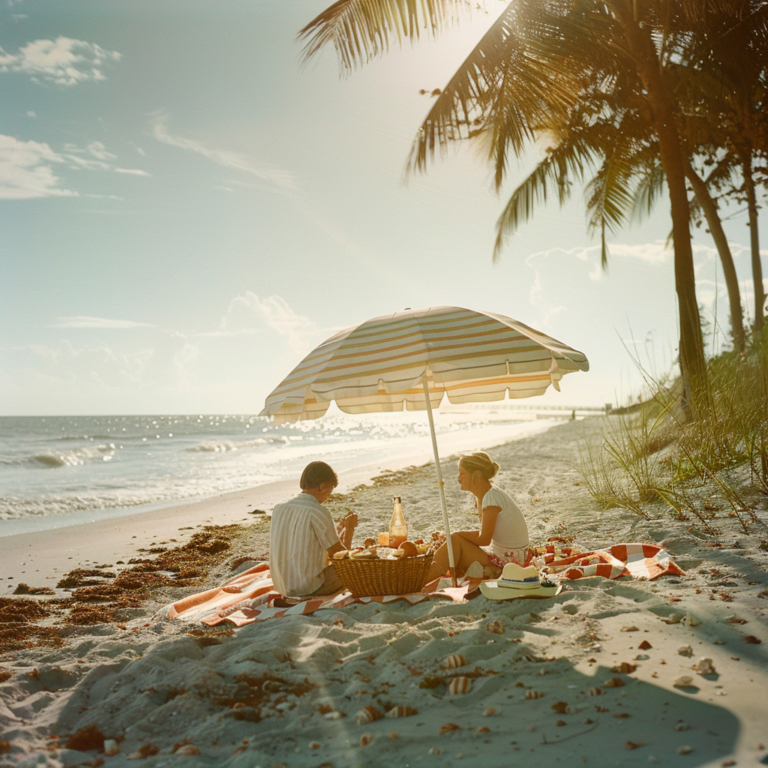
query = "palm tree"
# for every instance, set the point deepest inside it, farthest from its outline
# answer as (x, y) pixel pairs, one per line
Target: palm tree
(533, 66)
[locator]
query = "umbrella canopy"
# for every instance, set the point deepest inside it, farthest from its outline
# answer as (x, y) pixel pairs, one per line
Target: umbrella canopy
(382, 365)
(412, 359)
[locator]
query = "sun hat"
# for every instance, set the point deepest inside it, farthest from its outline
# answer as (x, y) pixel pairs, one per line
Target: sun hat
(517, 581)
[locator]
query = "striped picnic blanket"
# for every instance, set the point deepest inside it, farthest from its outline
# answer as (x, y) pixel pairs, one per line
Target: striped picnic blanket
(250, 596)
(640, 561)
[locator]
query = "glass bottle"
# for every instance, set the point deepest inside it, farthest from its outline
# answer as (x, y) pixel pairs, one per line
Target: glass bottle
(398, 528)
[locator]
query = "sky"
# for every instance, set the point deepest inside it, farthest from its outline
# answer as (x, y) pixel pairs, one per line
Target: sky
(186, 210)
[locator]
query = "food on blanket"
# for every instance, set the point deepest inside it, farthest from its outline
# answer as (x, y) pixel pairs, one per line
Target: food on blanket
(645, 645)
(364, 554)
(384, 539)
(454, 661)
(418, 541)
(422, 549)
(685, 681)
(448, 727)
(341, 555)
(460, 685)
(368, 715)
(533, 695)
(402, 711)
(705, 667)
(369, 542)
(398, 554)
(496, 627)
(365, 739)
(437, 535)
(408, 548)
(614, 682)
(685, 650)
(490, 711)
(595, 692)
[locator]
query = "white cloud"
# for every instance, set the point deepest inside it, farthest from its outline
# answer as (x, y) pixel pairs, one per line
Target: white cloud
(85, 321)
(224, 157)
(28, 169)
(249, 314)
(62, 61)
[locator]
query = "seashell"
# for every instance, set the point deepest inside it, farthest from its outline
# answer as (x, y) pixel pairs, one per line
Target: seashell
(571, 710)
(187, 750)
(642, 657)
(365, 739)
(460, 685)
(448, 727)
(685, 750)
(561, 723)
(683, 682)
(685, 650)
(490, 711)
(393, 735)
(645, 645)
(533, 695)
(111, 747)
(496, 627)
(705, 667)
(483, 729)
(368, 715)
(692, 621)
(314, 745)
(614, 682)
(434, 751)
(402, 711)
(454, 661)
(624, 668)
(334, 714)
(682, 727)
(560, 707)
(752, 639)
(595, 692)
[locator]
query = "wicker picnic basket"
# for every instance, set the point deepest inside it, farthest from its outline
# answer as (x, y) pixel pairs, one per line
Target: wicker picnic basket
(383, 577)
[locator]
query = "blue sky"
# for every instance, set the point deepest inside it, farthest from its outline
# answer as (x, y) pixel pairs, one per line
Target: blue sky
(186, 210)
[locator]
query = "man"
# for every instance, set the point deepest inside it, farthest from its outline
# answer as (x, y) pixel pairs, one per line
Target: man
(303, 534)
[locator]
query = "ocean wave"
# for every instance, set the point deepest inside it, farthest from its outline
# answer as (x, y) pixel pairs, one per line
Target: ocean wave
(15, 508)
(71, 458)
(225, 446)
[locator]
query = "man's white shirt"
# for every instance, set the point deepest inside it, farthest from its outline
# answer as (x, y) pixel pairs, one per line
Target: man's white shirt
(302, 530)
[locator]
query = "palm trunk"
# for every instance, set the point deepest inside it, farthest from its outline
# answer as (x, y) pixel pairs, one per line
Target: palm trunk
(757, 267)
(693, 368)
(709, 207)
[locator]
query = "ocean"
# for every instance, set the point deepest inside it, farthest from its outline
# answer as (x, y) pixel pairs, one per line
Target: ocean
(52, 467)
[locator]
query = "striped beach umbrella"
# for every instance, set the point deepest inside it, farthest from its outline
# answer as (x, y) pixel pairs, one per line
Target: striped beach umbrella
(411, 360)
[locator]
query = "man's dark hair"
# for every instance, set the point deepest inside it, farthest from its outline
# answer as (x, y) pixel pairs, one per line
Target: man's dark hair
(315, 474)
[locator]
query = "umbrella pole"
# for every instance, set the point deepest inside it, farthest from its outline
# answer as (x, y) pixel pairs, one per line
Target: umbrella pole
(449, 543)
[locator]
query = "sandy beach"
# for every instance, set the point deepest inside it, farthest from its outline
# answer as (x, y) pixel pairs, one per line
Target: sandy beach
(287, 692)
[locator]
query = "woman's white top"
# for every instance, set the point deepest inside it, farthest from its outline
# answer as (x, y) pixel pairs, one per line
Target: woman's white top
(511, 531)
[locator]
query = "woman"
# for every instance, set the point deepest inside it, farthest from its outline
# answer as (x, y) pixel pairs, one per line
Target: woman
(503, 534)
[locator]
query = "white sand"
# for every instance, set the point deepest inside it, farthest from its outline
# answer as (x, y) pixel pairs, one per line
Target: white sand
(154, 684)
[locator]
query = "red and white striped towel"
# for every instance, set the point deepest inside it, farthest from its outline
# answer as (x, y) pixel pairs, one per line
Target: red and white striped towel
(250, 597)
(640, 561)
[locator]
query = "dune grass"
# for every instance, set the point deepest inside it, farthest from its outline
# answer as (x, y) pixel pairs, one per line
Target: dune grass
(648, 454)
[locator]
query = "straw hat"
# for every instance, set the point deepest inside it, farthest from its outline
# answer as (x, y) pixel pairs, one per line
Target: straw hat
(517, 581)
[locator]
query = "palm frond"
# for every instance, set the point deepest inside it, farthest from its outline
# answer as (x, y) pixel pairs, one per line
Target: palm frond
(361, 30)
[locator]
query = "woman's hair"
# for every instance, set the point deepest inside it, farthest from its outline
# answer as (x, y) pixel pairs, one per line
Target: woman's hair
(315, 474)
(479, 462)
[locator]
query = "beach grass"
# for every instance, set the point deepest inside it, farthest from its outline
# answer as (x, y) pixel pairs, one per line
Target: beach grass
(647, 454)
